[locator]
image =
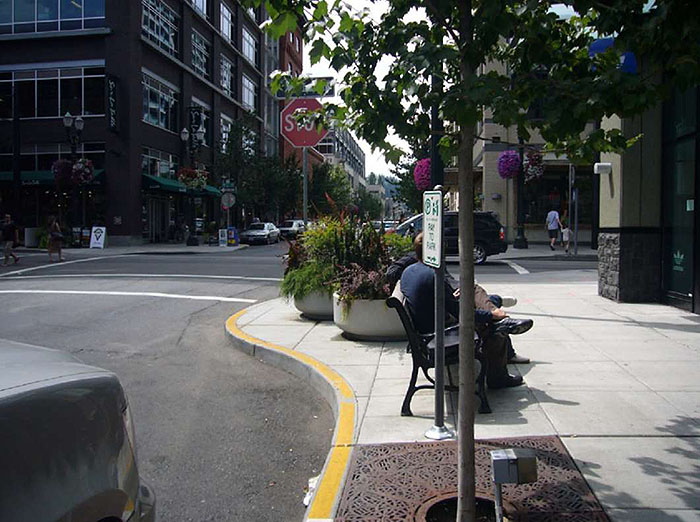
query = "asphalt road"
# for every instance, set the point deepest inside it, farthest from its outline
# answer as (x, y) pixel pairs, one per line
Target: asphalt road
(221, 436)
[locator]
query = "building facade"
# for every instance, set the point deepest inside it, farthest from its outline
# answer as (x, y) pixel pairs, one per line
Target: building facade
(138, 73)
(649, 229)
(339, 147)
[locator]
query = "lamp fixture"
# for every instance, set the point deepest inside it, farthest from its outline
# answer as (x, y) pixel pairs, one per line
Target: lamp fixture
(68, 120)
(184, 134)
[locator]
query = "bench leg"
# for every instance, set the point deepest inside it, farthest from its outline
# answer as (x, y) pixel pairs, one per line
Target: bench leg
(484, 406)
(406, 406)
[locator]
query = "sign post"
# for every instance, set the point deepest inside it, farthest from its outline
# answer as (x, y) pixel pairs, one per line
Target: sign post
(302, 134)
(432, 256)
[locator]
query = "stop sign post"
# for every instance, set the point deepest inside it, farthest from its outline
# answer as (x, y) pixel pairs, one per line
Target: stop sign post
(302, 134)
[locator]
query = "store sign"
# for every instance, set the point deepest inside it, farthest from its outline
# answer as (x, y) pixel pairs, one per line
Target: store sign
(678, 259)
(112, 114)
(432, 228)
(97, 237)
(223, 237)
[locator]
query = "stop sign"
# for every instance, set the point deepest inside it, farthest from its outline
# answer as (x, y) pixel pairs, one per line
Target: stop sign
(297, 133)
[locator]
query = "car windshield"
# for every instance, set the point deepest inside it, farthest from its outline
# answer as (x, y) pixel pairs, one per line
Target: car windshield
(288, 224)
(257, 226)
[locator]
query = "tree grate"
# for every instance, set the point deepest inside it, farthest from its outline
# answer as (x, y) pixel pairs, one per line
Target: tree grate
(395, 482)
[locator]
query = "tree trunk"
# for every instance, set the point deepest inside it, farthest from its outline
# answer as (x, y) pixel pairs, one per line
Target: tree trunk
(465, 427)
(466, 496)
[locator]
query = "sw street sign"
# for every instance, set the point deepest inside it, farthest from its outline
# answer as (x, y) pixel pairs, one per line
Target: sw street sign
(432, 228)
(228, 199)
(301, 135)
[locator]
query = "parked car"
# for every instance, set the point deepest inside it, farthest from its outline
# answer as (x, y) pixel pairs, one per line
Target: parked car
(292, 228)
(260, 233)
(489, 235)
(67, 439)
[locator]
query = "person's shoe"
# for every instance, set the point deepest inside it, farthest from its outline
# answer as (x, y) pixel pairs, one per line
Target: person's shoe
(509, 381)
(550, 246)
(512, 326)
(508, 300)
(16, 260)
(518, 359)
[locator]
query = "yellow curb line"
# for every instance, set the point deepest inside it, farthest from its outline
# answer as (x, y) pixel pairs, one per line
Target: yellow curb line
(330, 482)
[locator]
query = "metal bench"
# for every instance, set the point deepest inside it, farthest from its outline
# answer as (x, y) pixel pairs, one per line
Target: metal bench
(422, 350)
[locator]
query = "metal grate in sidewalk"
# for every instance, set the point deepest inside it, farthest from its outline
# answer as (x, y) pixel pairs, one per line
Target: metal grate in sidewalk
(393, 482)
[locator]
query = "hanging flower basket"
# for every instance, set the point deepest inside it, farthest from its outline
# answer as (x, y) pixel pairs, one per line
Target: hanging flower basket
(83, 171)
(533, 165)
(508, 164)
(62, 171)
(421, 174)
(193, 178)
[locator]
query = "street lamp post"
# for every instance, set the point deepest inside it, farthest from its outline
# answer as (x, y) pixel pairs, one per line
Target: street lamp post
(520, 240)
(74, 130)
(193, 146)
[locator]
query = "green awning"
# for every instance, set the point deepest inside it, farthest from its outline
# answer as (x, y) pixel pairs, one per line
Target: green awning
(149, 182)
(45, 177)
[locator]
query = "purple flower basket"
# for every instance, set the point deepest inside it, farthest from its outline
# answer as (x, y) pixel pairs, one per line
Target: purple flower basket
(508, 164)
(421, 174)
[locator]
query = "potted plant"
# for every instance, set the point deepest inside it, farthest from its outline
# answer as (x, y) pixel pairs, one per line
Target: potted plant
(310, 273)
(359, 307)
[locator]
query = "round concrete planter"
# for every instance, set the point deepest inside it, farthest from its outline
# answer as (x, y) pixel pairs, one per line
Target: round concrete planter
(316, 305)
(367, 320)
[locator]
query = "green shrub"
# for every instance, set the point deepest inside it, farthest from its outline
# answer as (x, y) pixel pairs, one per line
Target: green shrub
(310, 277)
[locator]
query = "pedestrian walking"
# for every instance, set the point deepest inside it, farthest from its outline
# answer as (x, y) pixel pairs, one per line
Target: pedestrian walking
(553, 224)
(55, 239)
(10, 239)
(565, 235)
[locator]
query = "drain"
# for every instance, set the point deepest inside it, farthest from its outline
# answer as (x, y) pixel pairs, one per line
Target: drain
(444, 509)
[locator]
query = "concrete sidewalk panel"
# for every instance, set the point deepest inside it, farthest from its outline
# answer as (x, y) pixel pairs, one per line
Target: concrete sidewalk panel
(382, 429)
(526, 423)
(607, 412)
(558, 350)
(686, 401)
(580, 376)
(640, 472)
(341, 353)
(389, 406)
(666, 376)
(286, 335)
(647, 350)
(360, 377)
(653, 515)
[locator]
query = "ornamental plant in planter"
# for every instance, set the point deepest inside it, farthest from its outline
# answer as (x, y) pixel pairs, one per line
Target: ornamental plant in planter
(362, 288)
(311, 272)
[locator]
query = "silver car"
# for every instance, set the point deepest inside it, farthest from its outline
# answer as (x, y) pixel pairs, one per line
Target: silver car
(260, 233)
(67, 439)
(292, 228)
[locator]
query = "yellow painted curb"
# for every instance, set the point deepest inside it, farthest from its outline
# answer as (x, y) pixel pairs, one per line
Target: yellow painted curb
(331, 480)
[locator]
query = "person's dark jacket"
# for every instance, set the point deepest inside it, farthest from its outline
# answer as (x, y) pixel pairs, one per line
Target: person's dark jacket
(418, 285)
(393, 273)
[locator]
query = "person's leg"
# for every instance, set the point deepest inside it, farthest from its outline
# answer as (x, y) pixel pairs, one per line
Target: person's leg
(482, 300)
(6, 253)
(497, 300)
(496, 354)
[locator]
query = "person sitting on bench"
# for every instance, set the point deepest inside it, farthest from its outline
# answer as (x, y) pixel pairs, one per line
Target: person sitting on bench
(482, 299)
(417, 284)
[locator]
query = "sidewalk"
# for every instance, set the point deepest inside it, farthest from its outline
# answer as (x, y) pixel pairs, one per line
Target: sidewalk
(541, 251)
(147, 248)
(618, 383)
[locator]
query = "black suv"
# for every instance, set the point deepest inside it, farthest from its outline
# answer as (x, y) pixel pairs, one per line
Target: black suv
(489, 236)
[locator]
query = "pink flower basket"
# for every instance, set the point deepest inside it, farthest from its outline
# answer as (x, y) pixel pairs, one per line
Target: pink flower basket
(508, 164)
(421, 174)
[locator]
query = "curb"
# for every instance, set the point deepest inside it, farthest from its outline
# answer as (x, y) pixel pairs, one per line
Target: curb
(334, 389)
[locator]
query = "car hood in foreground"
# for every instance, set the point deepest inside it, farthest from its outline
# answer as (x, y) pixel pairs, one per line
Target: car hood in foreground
(25, 364)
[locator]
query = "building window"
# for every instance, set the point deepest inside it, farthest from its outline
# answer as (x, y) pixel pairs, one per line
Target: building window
(200, 6)
(201, 51)
(228, 76)
(226, 123)
(205, 121)
(50, 93)
(35, 16)
(250, 46)
(41, 156)
(159, 24)
(159, 104)
(158, 163)
(227, 23)
(250, 94)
